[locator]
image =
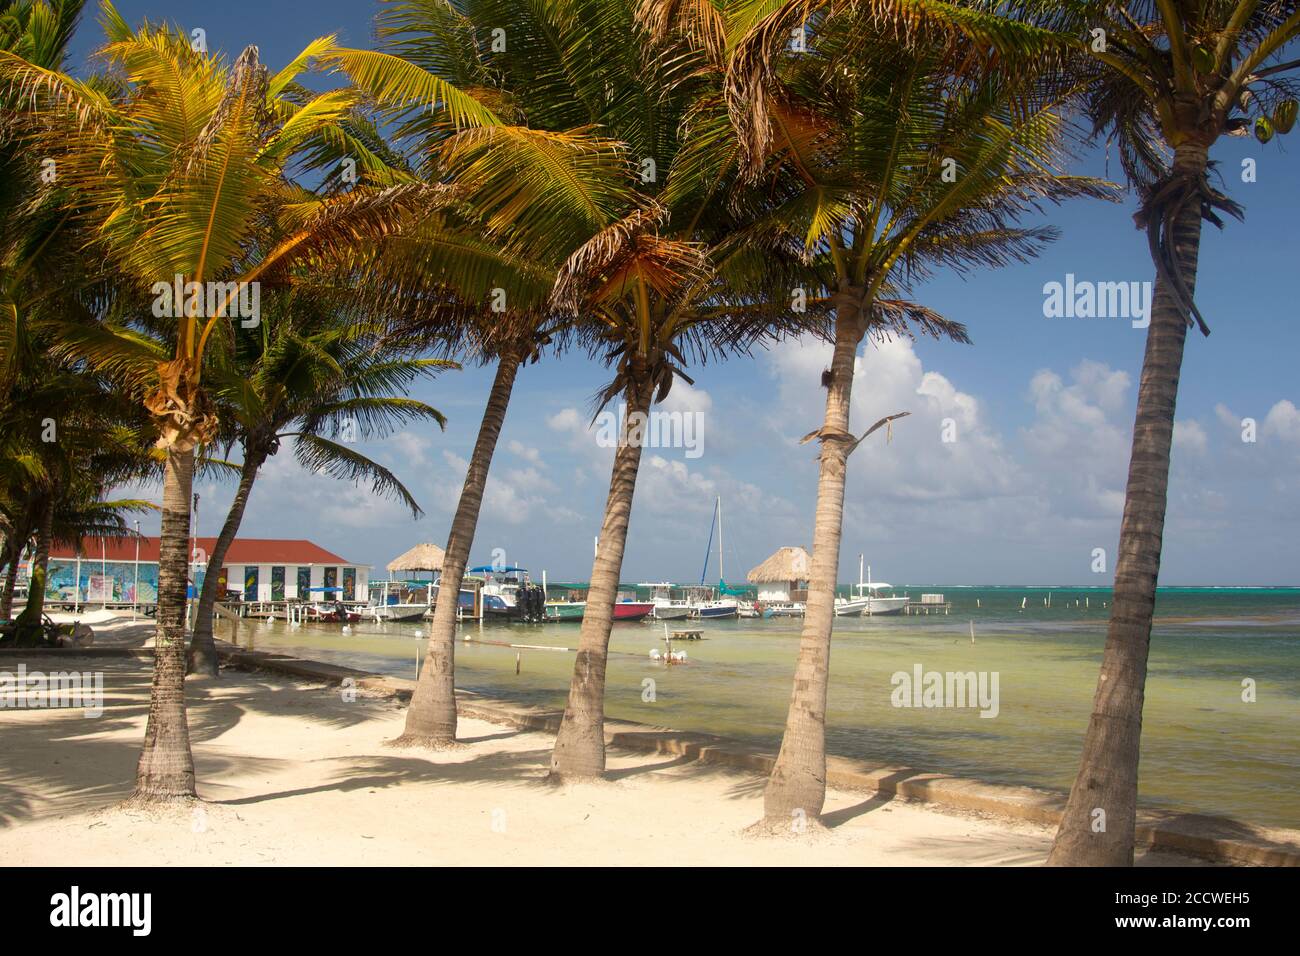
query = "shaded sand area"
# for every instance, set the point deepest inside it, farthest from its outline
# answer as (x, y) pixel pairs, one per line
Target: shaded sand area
(291, 773)
(111, 628)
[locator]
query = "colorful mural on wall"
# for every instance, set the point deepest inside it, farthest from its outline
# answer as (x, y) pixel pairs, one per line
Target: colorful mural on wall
(113, 582)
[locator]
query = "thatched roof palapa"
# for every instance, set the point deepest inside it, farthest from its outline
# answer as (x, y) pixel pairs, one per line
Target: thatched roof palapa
(787, 564)
(423, 557)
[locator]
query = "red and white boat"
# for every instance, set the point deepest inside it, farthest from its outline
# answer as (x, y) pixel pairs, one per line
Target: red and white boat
(632, 610)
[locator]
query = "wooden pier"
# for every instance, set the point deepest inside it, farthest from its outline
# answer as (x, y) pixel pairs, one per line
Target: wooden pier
(910, 609)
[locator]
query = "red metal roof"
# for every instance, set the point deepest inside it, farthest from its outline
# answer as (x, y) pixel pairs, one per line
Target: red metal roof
(241, 551)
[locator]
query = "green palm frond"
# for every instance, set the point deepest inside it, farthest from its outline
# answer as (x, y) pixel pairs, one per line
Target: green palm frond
(322, 456)
(398, 84)
(373, 416)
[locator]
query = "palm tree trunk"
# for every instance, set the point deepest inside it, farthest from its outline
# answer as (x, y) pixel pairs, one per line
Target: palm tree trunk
(11, 579)
(203, 651)
(431, 718)
(580, 743)
(1097, 828)
(166, 767)
(796, 788)
(28, 631)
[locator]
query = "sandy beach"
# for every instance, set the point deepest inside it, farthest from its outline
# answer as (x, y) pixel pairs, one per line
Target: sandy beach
(291, 773)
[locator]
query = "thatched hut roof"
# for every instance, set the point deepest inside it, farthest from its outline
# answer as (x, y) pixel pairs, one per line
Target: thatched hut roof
(423, 557)
(787, 564)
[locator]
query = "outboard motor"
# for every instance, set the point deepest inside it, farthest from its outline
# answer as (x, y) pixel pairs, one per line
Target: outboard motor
(532, 603)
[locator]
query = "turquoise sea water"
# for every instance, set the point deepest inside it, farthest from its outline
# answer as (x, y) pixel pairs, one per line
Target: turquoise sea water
(1204, 748)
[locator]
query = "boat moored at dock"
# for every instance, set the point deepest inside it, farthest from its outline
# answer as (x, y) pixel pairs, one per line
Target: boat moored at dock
(666, 606)
(870, 598)
(565, 610)
(509, 594)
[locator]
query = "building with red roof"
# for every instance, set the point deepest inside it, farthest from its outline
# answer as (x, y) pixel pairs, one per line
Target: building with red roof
(125, 571)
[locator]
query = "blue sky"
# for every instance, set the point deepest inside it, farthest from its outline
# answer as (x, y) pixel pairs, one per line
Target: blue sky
(1042, 410)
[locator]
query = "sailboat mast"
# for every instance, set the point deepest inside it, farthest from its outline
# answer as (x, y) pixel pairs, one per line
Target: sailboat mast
(721, 577)
(708, 548)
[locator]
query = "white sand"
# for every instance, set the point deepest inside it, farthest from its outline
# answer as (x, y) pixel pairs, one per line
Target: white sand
(292, 774)
(111, 628)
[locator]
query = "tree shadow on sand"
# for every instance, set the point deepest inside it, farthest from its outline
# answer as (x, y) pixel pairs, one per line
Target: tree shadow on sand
(524, 768)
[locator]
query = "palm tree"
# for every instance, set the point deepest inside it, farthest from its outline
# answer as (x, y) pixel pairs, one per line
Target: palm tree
(685, 275)
(657, 302)
(179, 158)
(66, 438)
(1170, 79)
(533, 181)
(513, 137)
(910, 151)
(313, 375)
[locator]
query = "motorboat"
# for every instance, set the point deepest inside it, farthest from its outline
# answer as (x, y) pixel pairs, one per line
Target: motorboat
(666, 607)
(509, 593)
(870, 598)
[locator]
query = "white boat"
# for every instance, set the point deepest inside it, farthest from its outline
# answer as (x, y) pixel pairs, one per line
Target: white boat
(671, 612)
(882, 600)
(399, 601)
(871, 599)
(667, 608)
(853, 605)
(397, 612)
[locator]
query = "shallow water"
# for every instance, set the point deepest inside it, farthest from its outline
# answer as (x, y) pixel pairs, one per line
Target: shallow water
(1204, 749)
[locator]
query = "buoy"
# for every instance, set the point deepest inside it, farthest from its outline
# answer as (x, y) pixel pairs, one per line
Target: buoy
(419, 632)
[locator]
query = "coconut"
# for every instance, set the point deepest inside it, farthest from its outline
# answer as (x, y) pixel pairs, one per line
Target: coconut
(1202, 59)
(1284, 115)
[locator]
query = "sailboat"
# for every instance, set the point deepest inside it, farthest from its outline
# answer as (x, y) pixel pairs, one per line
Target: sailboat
(719, 606)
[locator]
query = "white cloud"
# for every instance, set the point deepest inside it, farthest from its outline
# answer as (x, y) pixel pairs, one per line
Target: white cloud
(911, 461)
(526, 452)
(1283, 421)
(566, 420)
(1189, 436)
